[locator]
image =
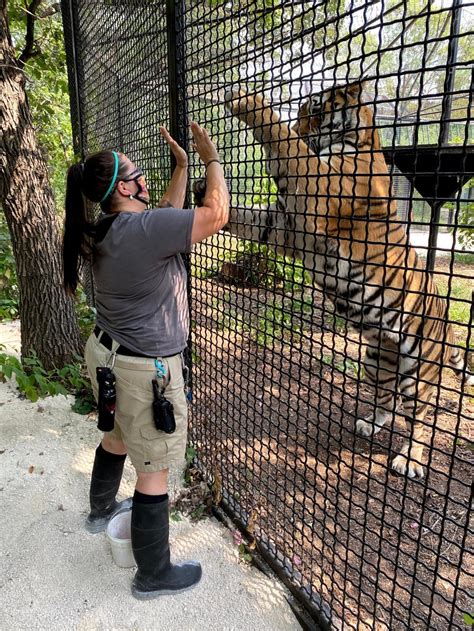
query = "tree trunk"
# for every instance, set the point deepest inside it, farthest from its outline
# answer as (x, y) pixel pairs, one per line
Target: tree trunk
(48, 321)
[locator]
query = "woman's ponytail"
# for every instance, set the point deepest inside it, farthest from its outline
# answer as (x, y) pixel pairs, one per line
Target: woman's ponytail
(94, 180)
(76, 228)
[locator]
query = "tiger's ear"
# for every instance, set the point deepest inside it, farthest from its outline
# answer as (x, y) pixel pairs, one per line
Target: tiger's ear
(355, 89)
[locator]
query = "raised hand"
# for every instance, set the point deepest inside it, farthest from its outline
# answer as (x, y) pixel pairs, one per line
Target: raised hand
(203, 144)
(178, 152)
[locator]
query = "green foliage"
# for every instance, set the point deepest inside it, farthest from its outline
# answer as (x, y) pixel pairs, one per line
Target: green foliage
(9, 294)
(188, 472)
(460, 293)
(190, 454)
(290, 272)
(85, 315)
(335, 322)
(464, 258)
(469, 619)
(283, 318)
(175, 515)
(466, 219)
(265, 190)
(465, 443)
(47, 89)
(244, 554)
(35, 382)
(344, 365)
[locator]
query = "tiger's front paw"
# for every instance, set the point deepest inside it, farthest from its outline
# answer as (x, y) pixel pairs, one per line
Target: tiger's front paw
(404, 466)
(239, 103)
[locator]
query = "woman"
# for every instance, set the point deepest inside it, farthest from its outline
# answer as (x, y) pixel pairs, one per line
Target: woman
(141, 330)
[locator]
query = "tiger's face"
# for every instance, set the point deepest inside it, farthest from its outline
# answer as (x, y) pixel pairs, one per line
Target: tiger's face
(335, 117)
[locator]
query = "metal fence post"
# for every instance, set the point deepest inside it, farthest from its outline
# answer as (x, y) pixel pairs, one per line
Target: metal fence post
(70, 25)
(176, 75)
(445, 124)
(175, 11)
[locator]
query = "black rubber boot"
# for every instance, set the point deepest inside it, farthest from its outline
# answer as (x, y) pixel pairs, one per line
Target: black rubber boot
(156, 576)
(105, 481)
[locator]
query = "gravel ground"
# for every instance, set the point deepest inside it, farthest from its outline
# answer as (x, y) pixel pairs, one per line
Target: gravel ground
(57, 576)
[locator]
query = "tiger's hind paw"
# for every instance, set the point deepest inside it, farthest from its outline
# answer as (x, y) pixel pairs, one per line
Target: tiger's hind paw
(366, 428)
(402, 465)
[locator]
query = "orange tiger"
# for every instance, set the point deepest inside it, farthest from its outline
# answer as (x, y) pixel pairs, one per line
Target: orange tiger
(334, 212)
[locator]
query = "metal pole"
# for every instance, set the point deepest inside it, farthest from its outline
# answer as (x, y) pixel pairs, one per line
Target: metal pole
(176, 75)
(70, 21)
(445, 122)
(178, 125)
(450, 73)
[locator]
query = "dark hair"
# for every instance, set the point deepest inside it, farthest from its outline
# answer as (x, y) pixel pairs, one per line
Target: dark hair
(90, 180)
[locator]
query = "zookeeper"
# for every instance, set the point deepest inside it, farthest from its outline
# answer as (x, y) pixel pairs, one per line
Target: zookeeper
(141, 331)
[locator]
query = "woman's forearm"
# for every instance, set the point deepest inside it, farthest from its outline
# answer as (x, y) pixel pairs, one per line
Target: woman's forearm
(176, 191)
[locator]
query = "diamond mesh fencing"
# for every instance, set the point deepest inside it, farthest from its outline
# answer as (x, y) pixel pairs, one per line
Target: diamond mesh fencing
(332, 318)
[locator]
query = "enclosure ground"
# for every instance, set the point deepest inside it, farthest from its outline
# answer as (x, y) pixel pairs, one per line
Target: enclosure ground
(383, 551)
(56, 576)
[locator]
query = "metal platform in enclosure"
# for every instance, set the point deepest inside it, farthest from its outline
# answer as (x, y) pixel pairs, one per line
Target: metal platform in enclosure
(437, 173)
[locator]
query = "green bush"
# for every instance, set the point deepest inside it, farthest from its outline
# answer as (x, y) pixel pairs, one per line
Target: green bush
(85, 315)
(35, 382)
(466, 219)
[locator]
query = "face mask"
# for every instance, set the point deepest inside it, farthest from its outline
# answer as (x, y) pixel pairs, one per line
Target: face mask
(138, 177)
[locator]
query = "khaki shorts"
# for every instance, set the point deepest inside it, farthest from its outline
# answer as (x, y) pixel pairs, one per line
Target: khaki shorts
(149, 449)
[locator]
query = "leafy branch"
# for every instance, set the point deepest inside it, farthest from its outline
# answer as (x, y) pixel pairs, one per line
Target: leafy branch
(30, 50)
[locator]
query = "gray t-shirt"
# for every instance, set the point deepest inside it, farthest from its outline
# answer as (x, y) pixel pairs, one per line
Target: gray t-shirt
(140, 279)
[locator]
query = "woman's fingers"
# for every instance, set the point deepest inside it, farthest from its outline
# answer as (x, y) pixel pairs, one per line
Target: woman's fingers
(166, 135)
(200, 134)
(196, 130)
(203, 144)
(178, 152)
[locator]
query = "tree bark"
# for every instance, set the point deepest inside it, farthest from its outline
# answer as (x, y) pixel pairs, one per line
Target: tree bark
(48, 320)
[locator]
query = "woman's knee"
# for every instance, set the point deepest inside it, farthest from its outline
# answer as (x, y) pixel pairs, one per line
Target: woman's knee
(155, 483)
(114, 445)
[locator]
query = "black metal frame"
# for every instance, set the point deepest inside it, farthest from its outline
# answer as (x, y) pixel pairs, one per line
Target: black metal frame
(277, 370)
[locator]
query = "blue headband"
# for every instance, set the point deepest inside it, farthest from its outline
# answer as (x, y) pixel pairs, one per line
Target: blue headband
(112, 183)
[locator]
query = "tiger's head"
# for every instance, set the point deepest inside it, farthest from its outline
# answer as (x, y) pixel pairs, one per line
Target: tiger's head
(336, 120)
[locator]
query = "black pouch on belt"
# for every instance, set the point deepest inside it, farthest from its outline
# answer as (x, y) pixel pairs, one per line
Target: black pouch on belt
(107, 398)
(163, 413)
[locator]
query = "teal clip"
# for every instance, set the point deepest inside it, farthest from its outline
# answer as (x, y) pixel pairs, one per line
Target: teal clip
(160, 368)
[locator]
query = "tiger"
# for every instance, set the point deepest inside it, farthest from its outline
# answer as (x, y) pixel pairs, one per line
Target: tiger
(334, 211)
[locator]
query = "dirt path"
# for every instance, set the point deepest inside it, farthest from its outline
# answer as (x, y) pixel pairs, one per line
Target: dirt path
(57, 576)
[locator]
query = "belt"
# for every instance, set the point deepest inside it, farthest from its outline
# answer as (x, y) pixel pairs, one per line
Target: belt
(106, 341)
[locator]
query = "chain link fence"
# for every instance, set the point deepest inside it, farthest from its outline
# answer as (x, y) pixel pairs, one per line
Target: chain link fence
(331, 321)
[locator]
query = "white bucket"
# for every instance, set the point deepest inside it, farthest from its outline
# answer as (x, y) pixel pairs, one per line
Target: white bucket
(118, 533)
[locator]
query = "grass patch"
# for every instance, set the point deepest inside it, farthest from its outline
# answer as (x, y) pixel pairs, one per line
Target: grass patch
(460, 296)
(466, 258)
